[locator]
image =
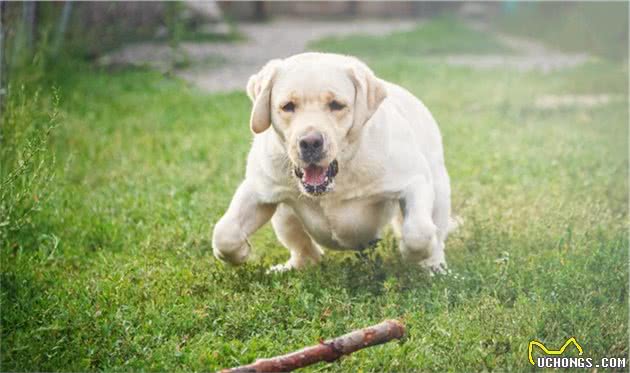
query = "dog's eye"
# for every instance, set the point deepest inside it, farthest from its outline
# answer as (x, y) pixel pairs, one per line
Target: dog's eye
(289, 107)
(336, 105)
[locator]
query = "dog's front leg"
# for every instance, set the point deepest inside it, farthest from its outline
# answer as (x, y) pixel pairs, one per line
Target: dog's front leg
(244, 216)
(420, 242)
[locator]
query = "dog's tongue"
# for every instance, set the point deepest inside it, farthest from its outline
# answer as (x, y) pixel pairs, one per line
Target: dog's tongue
(314, 175)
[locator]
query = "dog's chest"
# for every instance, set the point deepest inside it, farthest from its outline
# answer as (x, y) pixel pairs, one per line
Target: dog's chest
(348, 225)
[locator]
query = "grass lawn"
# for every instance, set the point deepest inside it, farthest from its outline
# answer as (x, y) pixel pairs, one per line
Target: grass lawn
(600, 28)
(115, 270)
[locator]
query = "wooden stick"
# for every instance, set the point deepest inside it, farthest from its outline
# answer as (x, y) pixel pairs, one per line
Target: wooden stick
(328, 351)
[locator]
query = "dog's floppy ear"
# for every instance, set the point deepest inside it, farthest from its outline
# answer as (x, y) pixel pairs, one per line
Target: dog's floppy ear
(259, 91)
(370, 92)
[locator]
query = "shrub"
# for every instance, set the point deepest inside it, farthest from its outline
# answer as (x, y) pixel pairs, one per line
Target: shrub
(26, 163)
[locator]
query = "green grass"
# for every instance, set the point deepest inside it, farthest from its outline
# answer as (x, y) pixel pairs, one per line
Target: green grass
(116, 273)
(440, 36)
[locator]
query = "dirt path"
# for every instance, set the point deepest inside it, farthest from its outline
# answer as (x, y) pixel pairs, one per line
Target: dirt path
(234, 62)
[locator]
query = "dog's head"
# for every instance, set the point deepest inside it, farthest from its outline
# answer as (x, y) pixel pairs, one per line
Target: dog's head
(317, 104)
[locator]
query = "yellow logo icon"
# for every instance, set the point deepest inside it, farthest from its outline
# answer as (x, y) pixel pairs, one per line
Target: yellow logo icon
(552, 352)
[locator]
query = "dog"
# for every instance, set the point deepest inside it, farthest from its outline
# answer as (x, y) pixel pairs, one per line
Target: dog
(338, 154)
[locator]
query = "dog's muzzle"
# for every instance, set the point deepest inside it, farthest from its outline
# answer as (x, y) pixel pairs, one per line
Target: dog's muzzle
(316, 179)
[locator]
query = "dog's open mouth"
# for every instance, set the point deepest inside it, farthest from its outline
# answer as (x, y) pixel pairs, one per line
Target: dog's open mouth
(316, 179)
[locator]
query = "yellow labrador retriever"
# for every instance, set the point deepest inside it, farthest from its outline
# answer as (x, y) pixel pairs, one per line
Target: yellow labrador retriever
(337, 155)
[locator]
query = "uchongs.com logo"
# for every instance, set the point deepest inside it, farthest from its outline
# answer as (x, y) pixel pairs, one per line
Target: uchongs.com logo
(555, 358)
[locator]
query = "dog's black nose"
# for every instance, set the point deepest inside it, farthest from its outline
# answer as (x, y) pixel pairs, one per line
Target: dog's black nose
(312, 142)
(311, 147)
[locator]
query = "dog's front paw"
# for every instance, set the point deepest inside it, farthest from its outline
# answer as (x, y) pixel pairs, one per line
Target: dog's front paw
(234, 254)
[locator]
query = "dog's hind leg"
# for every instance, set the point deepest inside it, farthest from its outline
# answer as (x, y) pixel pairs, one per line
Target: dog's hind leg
(293, 236)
